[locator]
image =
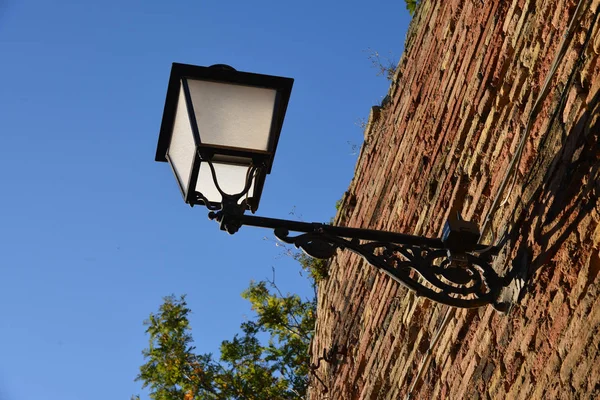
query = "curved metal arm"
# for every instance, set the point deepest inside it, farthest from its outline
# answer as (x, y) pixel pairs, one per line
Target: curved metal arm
(454, 270)
(468, 281)
(229, 201)
(233, 197)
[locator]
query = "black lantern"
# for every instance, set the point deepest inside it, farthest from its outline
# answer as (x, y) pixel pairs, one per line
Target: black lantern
(225, 124)
(219, 132)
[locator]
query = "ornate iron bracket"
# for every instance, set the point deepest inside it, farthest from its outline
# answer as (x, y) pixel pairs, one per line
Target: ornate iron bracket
(454, 270)
(464, 280)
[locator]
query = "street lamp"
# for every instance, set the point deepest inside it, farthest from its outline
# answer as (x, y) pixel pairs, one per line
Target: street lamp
(219, 133)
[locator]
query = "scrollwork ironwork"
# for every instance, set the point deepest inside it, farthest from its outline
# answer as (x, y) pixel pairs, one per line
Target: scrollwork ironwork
(231, 202)
(453, 270)
(461, 280)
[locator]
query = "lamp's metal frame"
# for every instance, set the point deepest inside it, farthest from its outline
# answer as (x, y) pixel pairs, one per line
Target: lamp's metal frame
(432, 268)
(181, 75)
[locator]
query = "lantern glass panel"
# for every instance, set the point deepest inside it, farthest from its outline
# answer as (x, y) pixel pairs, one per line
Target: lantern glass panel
(231, 179)
(233, 115)
(182, 147)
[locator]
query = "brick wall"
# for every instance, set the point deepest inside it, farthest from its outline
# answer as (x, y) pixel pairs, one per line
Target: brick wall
(457, 109)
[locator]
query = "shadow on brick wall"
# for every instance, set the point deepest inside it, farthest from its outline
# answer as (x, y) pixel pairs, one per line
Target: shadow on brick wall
(568, 192)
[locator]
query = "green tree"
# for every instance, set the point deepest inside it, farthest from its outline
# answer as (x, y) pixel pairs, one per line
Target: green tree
(318, 269)
(247, 368)
(173, 371)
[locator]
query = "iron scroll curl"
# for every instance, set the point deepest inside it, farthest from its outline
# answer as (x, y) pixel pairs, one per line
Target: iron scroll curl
(454, 270)
(466, 281)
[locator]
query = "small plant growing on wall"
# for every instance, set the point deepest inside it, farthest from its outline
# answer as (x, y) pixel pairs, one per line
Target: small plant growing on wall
(385, 66)
(411, 6)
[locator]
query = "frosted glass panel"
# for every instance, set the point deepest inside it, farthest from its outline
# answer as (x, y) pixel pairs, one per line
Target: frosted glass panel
(233, 115)
(182, 147)
(231, 178)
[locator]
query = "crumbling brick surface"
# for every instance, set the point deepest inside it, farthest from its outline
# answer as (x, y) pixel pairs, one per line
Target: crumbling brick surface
(459, 103)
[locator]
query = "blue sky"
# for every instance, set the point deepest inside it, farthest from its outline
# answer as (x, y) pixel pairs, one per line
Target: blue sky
(94, 232)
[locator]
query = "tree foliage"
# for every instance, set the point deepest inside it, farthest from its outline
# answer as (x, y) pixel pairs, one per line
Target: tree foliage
(247, 368)
(318, 269)
(173, 370)
(411, 6)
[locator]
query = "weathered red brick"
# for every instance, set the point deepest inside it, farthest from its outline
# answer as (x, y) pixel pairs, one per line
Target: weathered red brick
(460, 100)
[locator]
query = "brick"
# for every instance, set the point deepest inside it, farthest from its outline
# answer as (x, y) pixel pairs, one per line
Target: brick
(461, 97)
